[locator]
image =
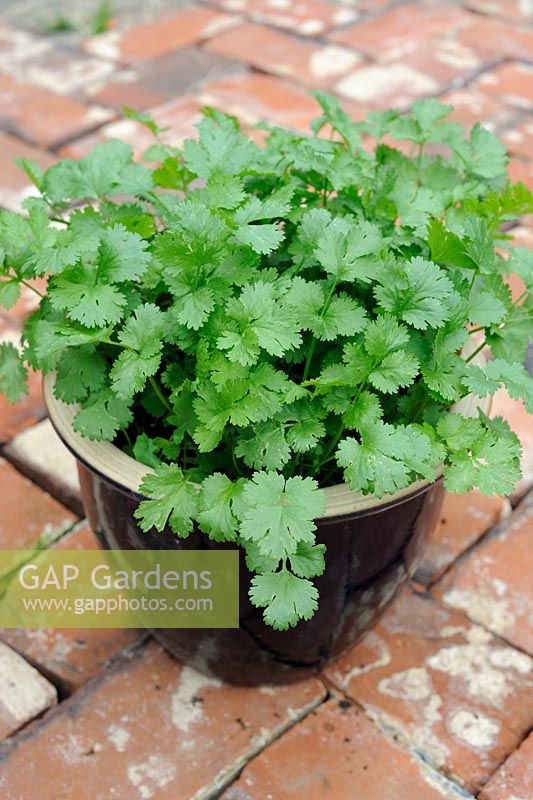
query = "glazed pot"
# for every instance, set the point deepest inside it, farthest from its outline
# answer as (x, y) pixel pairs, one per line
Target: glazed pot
(373, 547)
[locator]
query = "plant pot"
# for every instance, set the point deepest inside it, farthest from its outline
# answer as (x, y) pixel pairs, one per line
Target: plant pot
(373, 547)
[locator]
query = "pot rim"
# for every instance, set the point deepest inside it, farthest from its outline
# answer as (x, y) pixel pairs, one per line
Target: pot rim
(127, 473)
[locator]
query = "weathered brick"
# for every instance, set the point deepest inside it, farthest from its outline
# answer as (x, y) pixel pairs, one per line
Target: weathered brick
(150, 728)
(70, 656)
(15, 185)
(511, 83)
(272, 51)
(495, 39)
(509, 9)
(40, 454)
(179, 116)
(253, 97)
(521, 171)
(492, 585)
(337, 752)
(445, 60)
(156, 82)
(306, 17)
(398, 31)
(27, 512)
(446, 688)
(519, 139)
(464, 519)
(24, 692)
(474, 106)
(383, 85)
(42, 116)
(514, 779)
(44, 62)
(165, 34)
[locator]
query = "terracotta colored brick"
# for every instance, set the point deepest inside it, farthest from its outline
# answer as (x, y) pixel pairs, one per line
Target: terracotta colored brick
(509, 9)
(160, 80)
(511, 83)
(305, 62)
(471, 107)
(24, 692)
(464, 519)
(27, 512)
(520, 421)
(165, 34)
(398, 31)
(70, 656)
(337, 752)
(521, 171)
(383, 85)
(447, 689)
(493, 584)
(150, 728)
(496, 39)
(515, 778)
(519, 139)
(445, 60)
(40, 454)
(44, 117)
(306, 17)
(15, 186)
(179, 116)
(254, 97)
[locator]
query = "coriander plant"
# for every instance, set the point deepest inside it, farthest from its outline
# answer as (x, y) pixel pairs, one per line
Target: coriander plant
(256, 323)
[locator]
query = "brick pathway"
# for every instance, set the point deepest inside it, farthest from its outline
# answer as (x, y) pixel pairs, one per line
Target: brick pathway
(436, 701)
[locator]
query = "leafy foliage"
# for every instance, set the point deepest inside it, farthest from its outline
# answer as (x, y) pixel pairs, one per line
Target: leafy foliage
(255, 323)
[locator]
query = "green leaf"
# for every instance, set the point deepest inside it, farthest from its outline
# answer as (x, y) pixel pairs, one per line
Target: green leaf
(13, 374)
(123, 255)
(9, 292)
(286, 598)
(344, 247)
(97, 175)
(342, 316)
(146, 451)
(416, 292)
(102, 416)
(498, 372)
(280, 513)
(171, 499)
(92, 304)
(216, 516)
(308, 561)
(130, 372)
(80, 372)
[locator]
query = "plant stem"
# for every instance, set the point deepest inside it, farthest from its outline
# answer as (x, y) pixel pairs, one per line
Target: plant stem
(29, 286)
(476, 351)
(159, 393)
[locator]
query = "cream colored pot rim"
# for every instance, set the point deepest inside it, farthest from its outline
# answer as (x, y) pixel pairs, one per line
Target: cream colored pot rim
(108, 460)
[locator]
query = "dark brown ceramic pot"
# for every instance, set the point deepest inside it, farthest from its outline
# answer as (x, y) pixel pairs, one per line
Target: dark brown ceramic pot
(372, 548)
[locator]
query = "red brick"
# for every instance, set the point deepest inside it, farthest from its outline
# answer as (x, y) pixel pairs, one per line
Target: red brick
(70, 656)
(493, 584)
(24, 693)
(509, 9)
(40, 454)
(511, 83)
(464, 519)
(521, 171)
(15, 186)
(471, 107)
(179, 116)
(336, 752)
(306, 17)
(27, 512)
(254, 97)
(447, 689)
(519, 139)
(150, 728)
(165, 34)
(158, 81)
(385, 85)
(305, 62)
(495, 39)
(515, 778)
(44, 117)
(396, 32)
(520, 421)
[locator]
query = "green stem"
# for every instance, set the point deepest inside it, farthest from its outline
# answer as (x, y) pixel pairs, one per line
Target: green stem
(476, 351)
(29, 286)
(311, 350)
(159, 393)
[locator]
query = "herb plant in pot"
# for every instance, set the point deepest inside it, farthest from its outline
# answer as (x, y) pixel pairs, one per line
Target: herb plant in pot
(278, 348)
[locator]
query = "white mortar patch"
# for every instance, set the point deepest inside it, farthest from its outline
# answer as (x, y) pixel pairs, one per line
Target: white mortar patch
(473, 729)
(186, 709)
